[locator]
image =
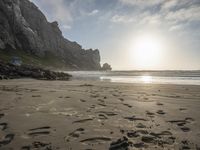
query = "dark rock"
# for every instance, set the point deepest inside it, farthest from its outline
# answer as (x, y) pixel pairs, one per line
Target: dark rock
(9, 71)
(24, 27)
(106, 67)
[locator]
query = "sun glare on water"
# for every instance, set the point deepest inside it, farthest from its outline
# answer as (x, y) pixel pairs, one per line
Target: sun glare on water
(146, 79)
(146, 51)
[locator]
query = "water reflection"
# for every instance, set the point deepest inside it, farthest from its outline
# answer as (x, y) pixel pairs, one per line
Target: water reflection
(146, 79)
(128, 79)
(157, 77)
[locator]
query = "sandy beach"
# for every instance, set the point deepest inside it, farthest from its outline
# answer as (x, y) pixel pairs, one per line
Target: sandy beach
(94, 115)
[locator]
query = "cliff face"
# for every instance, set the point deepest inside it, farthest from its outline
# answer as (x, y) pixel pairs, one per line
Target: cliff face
(23, 26)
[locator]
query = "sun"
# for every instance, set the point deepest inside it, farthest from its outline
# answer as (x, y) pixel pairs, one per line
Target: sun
(146, 51)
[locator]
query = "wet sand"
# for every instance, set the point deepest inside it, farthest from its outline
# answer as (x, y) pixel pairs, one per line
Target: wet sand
(93, 115)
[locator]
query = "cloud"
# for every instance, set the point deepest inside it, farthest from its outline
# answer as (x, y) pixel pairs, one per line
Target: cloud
(121, 19)
(55, 10)
(169, 4)
(141, 3)
(94, 12)
(66, 11)
(184, 15)
(84, 13)
(91, 21)
(176, 28)
(177, 4)
(169, 15)
(180, 11)
(66, 27)
(138, 19)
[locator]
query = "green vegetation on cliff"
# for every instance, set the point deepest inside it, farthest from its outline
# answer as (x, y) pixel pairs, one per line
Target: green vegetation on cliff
(48, 61)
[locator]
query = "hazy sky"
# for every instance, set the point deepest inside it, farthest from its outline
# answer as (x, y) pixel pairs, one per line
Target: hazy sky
(113, 26)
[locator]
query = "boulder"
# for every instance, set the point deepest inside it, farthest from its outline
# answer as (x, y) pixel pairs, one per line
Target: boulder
(106, 67)
(10, 71)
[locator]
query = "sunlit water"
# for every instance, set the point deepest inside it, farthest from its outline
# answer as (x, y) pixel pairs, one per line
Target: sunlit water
(145, 77)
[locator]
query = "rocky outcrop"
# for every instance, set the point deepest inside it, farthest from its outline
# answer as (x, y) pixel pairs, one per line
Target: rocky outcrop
(106, 67)
(10, 71)
(23, 26)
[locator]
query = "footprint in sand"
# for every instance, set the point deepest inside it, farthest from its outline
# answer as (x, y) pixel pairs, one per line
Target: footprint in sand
(102, 104)
(7, 139)
(161, 138)
(150, 114)
(148, 139)
(120, 144)
(160, 112)
(183, 122)
(115, 95)
(185, 145)
(75, 134)
(182, 109)
(38, 145)
(185, 129)
(127, 105)
(140, 145)
(1, 116)
(39, 131)
(178, 122)
(83, 120)
(159, 135)
(95, 96)
(135, 134)
(159, 104)
(134, 118)
(95, 140)
(108, 113)
(121, 99)
(88, 85)
(36, 95)
(102, 116)
(140, 125)
(82, 100)
(93, 106)
(100, 100)
(3, 126)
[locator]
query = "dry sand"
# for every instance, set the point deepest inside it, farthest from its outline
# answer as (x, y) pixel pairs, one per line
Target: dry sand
(91, 115)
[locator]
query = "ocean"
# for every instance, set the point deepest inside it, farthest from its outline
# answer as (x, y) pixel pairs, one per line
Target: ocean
(144, 77)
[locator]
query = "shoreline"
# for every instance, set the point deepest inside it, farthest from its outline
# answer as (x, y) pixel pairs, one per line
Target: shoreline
(97, 114)
(79, 81)
(97, 81)
(135, 78)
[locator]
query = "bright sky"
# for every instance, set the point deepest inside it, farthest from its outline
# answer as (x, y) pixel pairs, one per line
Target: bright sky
(132, 34)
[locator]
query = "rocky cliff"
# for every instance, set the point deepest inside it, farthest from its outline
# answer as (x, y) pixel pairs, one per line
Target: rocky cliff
(24, 27)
